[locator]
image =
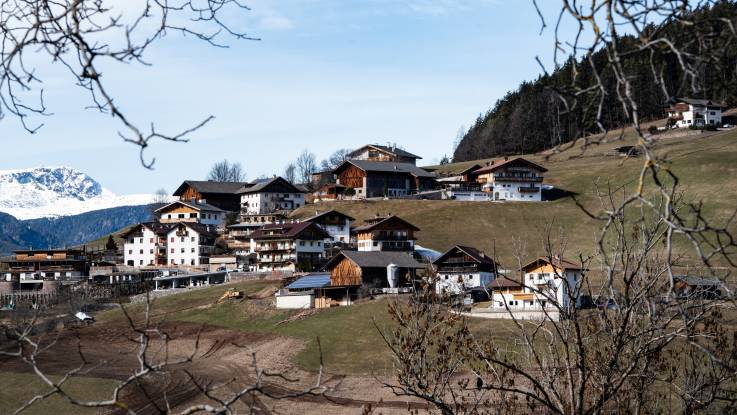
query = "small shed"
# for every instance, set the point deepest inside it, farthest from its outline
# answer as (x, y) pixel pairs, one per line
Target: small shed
(301, 293)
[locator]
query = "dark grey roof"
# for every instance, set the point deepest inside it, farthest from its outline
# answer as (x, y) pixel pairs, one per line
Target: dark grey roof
(208, 230)
(210, 187)
(388, 167)
(376, 259)
(193, 205)
(156, 227)
(332, 211)
(263, 186)
(477, 255)
(704, 102)
(391, 150)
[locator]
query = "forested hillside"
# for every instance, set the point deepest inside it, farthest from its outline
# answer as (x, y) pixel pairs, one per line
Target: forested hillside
(533, 117)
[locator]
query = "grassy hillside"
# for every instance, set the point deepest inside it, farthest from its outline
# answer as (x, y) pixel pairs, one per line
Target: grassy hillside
(705, 163)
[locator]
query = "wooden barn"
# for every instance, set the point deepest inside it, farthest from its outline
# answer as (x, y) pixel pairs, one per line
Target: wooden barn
(223, 195)
(383, 178)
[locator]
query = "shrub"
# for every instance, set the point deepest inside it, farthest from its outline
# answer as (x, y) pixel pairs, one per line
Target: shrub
(652, 129)
(710, 127)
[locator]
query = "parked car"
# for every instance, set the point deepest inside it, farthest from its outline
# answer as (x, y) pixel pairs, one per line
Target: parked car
(727, 126)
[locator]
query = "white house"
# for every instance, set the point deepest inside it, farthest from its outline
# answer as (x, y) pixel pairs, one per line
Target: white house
(192, 211)
(336, 224)
(190, 244)
(269, 196)
(296, 246)
(159, 244)
(145, 244)
(513, 179)
(687, 112)
(549, 286)
(461, 268)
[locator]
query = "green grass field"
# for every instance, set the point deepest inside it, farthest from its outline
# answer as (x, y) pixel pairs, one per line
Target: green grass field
(16, 389)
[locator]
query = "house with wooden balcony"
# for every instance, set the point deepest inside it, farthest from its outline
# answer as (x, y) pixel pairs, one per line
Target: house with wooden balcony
(386, 233)
(270, 196)
(336, 224)
(376, 152)
(462, 268)
(687, 112)
(238, 236)
(192, 211)
(511, 178)
(28, 269)
(548, 289)
(223, 195)
(368, 178)
(298, 246)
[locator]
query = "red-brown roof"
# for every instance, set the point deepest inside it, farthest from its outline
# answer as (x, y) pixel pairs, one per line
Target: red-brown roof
(504, 282)
(287, 230)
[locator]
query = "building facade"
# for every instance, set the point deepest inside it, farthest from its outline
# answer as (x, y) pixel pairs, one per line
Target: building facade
(549, 285)
(687, 112)
(461, 268)
(270, 196)
(145, 245)
(289, 247)
(191, 211)
(376, 152)
(336, 224)
(223, 195)
(369, 178)
(190, 244)
(386, 233)
(514, 179)
(156, 244)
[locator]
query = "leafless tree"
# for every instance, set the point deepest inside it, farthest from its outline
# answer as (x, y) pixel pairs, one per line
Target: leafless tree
(86, 36)
(652, 345)
(335, 159)
(306, 165)
(225, 171)
(160, 196)
(290, 173)
(158, 364)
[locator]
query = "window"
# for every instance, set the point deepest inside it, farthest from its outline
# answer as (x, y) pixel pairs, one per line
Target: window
(193, 215)
(180, 216)
(193, 239)
(181, 239)
(140, 251)
(172, 239)
(151, 251)
(141, 240)
(140, 262)
(312, 243)
(130, 252)
(301, 243)
(182, 250)
(192, 250)
(172, 250)
(151, 240)
(181, 261)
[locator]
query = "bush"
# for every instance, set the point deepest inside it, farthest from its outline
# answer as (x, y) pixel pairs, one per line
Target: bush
(652, 129)
(710, 127)
(350, 191)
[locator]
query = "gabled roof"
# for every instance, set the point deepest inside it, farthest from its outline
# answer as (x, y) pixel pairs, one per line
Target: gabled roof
(385, 167)
(210, 187)
(385, 149)
(478, 256)
(375, 259)
(702, 102)
(287, 230)
(328, 212)
(269, 186)
(193, 205)
(558, 262)
(383, 220)
(201, 229)
(157, 228)
(499, 163)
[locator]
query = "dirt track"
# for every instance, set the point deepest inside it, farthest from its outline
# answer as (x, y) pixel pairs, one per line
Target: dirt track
(222, 360)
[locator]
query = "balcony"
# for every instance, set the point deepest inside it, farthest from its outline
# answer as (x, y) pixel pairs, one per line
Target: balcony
(529, 189)
(501, 177)
(458, 270)
(395, 246)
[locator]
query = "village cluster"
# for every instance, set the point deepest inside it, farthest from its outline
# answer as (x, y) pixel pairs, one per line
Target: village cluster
(216, 231)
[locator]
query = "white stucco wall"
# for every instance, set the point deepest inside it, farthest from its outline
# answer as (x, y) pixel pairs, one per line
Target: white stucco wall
(456, 283)
(293, 301)
(141, 250)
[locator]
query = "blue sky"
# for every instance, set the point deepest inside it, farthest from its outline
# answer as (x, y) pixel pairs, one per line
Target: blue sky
(327, 74)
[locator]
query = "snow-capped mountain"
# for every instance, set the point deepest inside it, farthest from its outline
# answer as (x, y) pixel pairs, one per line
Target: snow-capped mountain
(57, 191)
